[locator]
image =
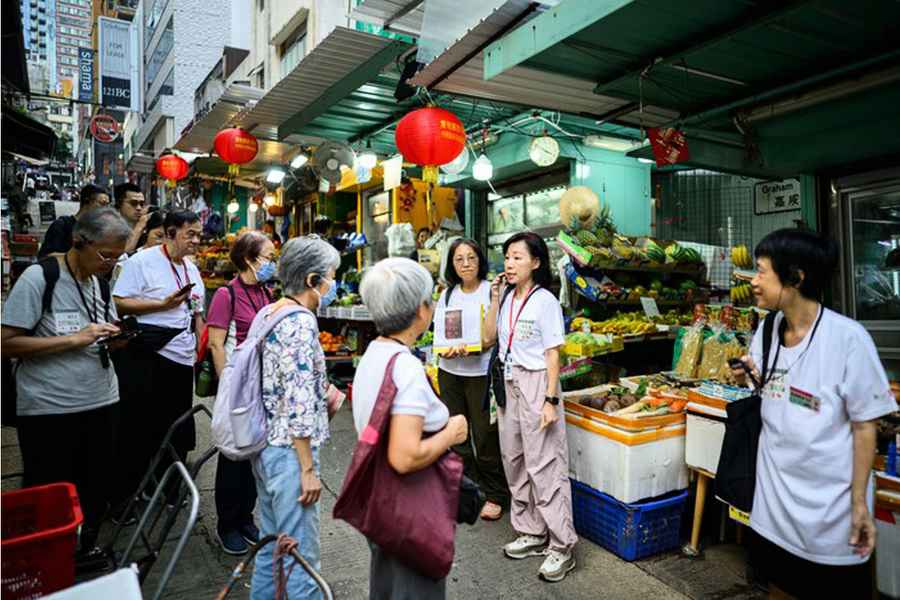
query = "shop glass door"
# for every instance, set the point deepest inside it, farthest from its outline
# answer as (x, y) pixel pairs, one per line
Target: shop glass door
(874, 233)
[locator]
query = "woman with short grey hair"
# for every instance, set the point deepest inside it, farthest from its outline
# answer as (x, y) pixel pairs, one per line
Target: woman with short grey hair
(397, 293)
(299, 402)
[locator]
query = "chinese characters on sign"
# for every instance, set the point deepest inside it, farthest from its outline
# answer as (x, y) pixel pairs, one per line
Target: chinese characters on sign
(776, 196)
(669, 146)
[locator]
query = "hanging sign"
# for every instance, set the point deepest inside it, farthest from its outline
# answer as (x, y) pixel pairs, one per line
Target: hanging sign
(669, 146)
(776, 196)
(86, 74)
(119, 81)
(104, 128)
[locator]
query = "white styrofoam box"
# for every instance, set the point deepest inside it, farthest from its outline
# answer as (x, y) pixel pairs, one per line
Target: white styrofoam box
(122, 585)
(704, 442)
(631, 469)
(887, 545)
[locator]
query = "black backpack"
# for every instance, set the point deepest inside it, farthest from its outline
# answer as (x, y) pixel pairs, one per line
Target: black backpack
(50, 269)
(736, 472)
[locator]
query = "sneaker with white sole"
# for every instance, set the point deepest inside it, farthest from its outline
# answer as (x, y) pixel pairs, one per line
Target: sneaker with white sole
(525, 546)
(556, 565)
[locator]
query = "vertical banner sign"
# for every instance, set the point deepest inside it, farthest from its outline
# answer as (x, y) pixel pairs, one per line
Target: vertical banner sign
(86, 74)
(118, 89)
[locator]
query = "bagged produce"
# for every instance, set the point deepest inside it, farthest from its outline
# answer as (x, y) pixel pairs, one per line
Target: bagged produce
(688, 347)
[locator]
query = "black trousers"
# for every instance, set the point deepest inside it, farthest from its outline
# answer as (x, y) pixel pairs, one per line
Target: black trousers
(390, 579)
(75, 448)
(235, 493)
(481, 452)
(154, 392)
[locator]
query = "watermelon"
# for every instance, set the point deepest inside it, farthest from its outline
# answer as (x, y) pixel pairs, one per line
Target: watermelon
(654, 252)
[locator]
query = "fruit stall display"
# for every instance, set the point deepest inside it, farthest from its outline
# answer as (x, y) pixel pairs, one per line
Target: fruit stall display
(742, 261)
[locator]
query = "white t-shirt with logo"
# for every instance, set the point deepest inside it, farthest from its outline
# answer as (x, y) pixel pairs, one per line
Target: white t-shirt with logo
(478, 301)
(804, 467)
(540, 327)
(148, 274)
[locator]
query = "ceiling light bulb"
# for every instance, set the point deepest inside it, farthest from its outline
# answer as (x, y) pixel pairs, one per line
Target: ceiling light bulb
(253, 207)
(647, 161)
(483, 169)
(233, 207)
(275, 175)
(367, 159)
(269, 199)
(299, 160)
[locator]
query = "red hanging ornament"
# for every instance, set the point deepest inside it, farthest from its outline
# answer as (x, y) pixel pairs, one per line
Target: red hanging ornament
(236, 147)
(172, 167)
(430, 137)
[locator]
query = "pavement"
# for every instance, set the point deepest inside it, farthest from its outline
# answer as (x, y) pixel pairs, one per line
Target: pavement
(479, 571)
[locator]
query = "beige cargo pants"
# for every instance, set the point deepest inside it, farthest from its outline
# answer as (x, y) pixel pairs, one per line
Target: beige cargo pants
(536, 462)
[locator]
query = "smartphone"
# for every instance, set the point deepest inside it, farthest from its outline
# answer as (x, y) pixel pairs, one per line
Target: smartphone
(185, 289)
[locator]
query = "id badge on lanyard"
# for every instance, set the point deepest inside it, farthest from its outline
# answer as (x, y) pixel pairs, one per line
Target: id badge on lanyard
(507, 360)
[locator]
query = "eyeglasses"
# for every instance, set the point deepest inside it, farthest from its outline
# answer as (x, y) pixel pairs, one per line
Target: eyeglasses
(461, 260)
(106, 259)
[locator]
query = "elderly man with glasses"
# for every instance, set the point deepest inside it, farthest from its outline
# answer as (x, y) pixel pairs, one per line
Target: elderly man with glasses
(163, 289)
(57, 322)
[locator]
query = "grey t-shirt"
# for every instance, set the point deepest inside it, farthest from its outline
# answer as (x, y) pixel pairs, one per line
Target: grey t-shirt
(64, 382)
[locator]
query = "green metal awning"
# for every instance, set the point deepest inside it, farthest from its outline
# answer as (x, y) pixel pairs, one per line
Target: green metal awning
(714, 63)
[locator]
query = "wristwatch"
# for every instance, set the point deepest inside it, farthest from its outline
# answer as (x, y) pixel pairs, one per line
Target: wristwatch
(552, 400)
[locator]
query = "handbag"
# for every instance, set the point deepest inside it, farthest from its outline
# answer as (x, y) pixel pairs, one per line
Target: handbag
(206, 380)
(411, 517)
(471, 501)
(736, 472)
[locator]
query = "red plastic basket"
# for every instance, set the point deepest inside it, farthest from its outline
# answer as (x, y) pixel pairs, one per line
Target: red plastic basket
(39, 533)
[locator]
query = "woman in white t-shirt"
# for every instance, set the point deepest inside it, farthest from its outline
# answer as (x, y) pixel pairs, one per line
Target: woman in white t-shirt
(463, 378)
(824, 389)
(526, 320)
(397, 293)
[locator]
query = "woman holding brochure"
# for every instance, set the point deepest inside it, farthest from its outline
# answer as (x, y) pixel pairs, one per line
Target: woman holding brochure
(462, 376)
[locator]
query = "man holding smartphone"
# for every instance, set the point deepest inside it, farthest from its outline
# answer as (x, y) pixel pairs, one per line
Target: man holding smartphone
(164, 290)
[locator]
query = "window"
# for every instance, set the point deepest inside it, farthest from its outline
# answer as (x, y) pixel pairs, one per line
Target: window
(293, 50)
(261, 77)
(161, 53)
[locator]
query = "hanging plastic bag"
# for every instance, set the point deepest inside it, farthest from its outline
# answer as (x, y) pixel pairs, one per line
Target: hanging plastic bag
(401, 239)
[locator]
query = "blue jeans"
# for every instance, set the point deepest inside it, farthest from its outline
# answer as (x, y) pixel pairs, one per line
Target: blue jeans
(277, 472)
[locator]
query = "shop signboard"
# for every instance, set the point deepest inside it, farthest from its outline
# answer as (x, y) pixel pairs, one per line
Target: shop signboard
(86, 74)
(119, 74)
(776, 196)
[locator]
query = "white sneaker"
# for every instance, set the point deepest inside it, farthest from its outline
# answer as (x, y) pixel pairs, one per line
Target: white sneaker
(556, 565)
(525, 546)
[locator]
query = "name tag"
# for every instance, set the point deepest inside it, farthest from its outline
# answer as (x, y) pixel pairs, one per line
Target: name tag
(507, 369)
(67, 322)
(804, 399)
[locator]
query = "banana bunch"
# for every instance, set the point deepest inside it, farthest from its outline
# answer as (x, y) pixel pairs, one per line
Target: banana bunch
(741, 293)
(740, 257)
(578, 323)
(626, 324)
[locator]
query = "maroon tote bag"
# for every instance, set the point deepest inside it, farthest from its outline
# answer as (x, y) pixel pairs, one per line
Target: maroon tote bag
(411, 517)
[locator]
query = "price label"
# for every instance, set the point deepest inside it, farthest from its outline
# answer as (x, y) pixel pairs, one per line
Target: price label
(650, 308)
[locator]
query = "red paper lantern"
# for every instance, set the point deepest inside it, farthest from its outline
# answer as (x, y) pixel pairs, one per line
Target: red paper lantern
(236, 147)
(172, 167)
(430, 137)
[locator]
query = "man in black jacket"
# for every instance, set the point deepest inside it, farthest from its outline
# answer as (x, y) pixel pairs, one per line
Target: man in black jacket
(59, 235)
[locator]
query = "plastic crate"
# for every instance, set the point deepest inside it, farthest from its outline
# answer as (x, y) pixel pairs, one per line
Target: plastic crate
(631, 531)
(39, 533)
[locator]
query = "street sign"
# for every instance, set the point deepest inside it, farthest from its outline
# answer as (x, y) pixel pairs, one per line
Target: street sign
(104, 128)
(776, 196)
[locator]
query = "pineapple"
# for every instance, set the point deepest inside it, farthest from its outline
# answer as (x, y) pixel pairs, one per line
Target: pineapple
(605, 223)
(586, 238)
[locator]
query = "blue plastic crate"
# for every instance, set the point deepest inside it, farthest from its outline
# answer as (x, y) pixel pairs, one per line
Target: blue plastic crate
(631, 531)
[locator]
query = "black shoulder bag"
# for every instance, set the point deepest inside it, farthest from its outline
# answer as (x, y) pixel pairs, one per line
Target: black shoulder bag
(496, 382)
(736, 473)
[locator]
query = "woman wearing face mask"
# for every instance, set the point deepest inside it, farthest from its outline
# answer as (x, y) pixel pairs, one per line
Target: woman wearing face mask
(825, 387)
(298, 401)
(231, 313)
(526, 319)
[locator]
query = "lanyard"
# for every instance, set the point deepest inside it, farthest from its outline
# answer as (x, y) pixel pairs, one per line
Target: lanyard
(174, 271)
(512, 306)
(91, 315)
(781, 328)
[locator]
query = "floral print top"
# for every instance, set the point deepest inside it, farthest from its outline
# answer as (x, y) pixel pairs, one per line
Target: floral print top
(294, 382)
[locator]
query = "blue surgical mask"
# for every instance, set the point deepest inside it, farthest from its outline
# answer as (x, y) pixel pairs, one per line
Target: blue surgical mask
(328, 297)
(265, 272)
